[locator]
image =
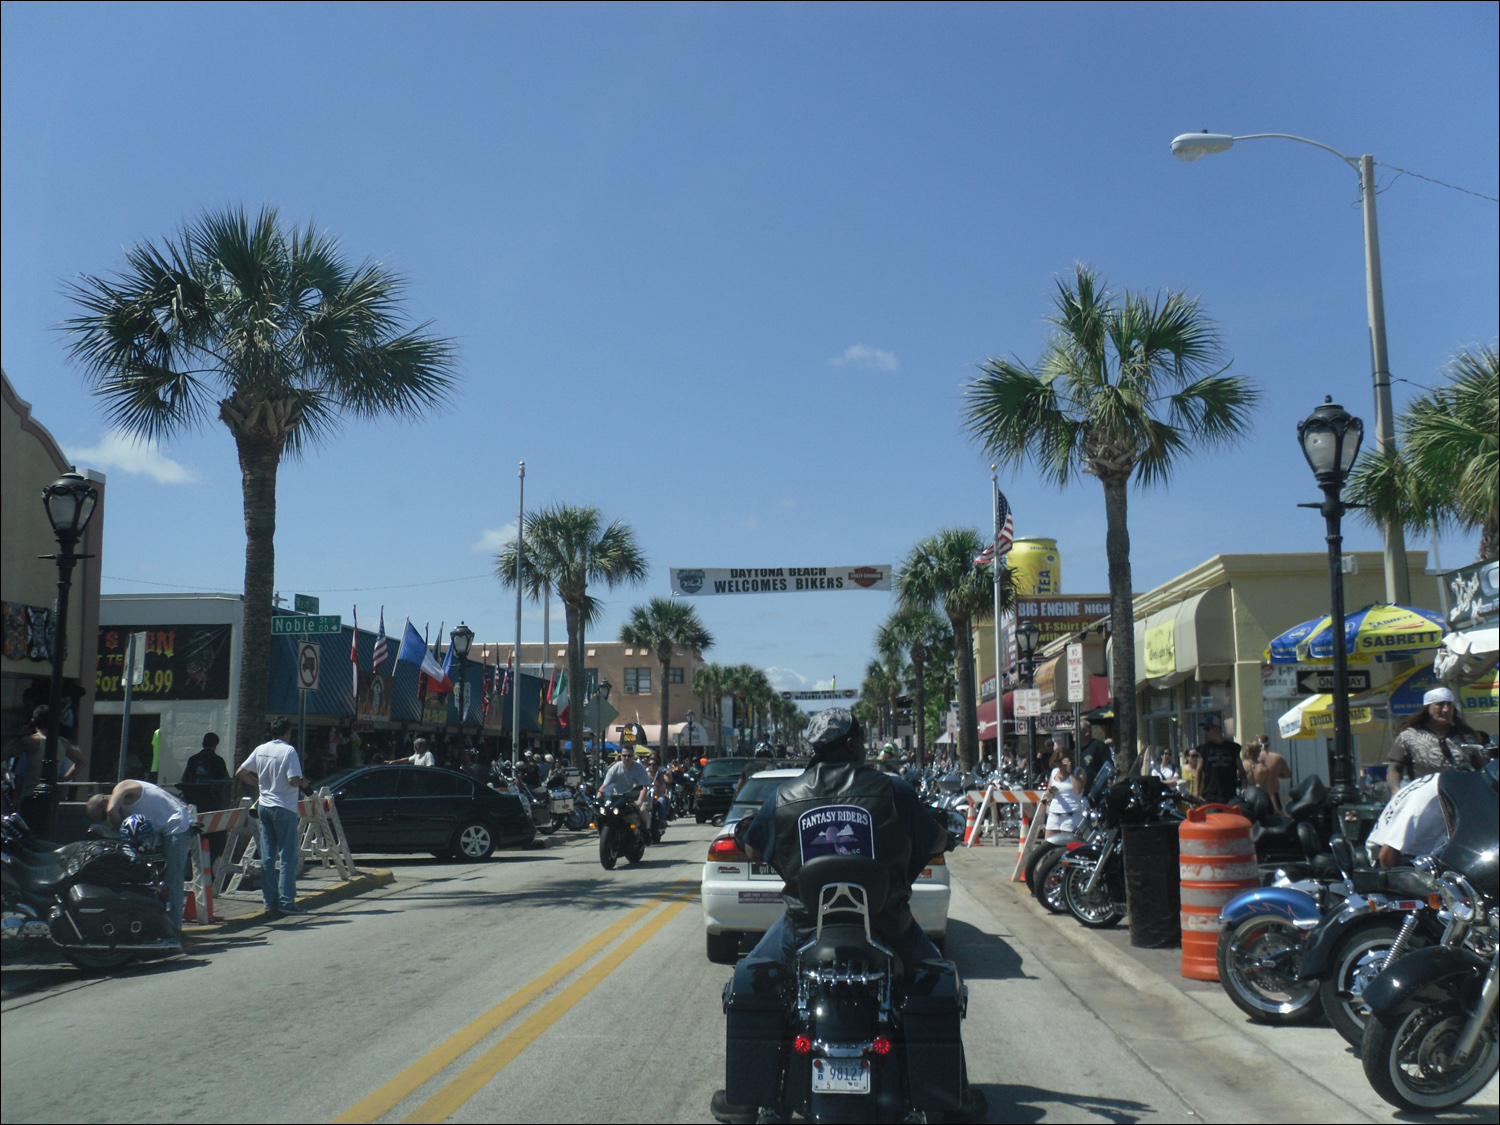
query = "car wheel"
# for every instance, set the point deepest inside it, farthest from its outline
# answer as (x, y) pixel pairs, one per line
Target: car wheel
(724, 949)
(474, 841)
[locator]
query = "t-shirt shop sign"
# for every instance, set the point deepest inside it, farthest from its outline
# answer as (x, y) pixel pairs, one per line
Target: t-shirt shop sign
(836, 830)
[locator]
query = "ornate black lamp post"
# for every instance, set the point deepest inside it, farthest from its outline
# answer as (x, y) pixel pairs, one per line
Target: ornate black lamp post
(1330, 438)
(601, 697)
(1027, 634)
(461, 638)
(69, 502)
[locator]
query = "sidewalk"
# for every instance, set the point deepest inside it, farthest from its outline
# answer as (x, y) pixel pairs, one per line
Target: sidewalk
(1189, 1032)
(317, 886)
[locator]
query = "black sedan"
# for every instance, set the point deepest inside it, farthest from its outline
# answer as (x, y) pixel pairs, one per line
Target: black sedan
(427, 809)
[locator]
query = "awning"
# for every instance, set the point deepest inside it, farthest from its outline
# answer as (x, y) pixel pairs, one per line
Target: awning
(1194, 637)
(988, 727)
(697, 736)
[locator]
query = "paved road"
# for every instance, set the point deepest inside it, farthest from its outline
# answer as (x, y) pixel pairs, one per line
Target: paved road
(538, 987)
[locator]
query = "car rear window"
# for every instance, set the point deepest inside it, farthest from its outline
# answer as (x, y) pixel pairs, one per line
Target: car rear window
(756, 789)
(724, 767)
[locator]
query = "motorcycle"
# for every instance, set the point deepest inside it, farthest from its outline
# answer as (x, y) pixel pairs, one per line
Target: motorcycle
(581, 815)
(621, 832)
(849, 1034)
(1288, 841)
(1093, 875)
(1430, 1041)
(100, 901)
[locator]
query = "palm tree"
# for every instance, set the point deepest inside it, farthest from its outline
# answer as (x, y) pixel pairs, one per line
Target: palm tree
(940, 572)
(708, 686)
(914, 631)
(663, 625)
(1127, 387)
(276, 334)
(570, 547)
(1447, 472)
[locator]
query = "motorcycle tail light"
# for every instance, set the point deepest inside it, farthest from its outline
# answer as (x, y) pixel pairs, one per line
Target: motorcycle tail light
(802, 1045)
(881, 1045)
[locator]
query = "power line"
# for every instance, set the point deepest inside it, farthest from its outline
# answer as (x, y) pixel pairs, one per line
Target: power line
(1430, 180)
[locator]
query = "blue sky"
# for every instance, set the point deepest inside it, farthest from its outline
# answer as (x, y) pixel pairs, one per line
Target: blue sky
(723, 270)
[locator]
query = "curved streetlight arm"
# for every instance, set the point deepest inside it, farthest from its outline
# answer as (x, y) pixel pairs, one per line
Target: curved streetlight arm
(1352, 161)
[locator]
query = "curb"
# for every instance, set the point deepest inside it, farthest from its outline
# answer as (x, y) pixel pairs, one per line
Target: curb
(368, 881)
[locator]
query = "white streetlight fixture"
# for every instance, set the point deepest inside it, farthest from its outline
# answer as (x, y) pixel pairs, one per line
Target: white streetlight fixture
(1190, 147)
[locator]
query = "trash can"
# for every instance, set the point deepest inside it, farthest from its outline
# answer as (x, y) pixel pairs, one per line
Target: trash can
(1151, 885)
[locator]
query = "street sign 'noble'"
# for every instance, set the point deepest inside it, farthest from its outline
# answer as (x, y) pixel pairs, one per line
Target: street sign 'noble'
(777, 579)
(285, 625)
(1318, 682)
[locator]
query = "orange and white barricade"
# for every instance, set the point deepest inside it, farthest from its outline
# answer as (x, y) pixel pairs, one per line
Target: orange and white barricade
(320, 839)
(1030, 800)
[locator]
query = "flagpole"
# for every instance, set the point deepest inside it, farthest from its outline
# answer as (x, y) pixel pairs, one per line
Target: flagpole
(999, 679)
(515, 683)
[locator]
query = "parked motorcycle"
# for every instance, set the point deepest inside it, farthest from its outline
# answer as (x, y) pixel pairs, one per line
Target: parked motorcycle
(100, 901)
(621, 831)
(581, 815)
(1287, 842)
(1093, 876)
(849, 1034)
(1430, 1041)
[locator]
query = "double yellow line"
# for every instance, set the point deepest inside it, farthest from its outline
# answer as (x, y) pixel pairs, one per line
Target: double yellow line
(473, 1077)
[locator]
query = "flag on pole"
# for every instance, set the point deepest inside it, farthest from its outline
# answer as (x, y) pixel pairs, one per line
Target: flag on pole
(559, 694)
(1005, 528)
(485, 692)
(382, 650)
(986, 556)
(505, 680)
(354, 657)
(414, 650)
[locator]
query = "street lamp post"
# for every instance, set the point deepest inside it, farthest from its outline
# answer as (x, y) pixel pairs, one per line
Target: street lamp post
(1330, 438)
(1194, 146)
(69, 502)
(461, 638)
(601, 697)
(689, 730)
(1027, 634)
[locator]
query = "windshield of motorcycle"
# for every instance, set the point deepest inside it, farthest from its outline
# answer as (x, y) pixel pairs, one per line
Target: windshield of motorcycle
(1473, 815)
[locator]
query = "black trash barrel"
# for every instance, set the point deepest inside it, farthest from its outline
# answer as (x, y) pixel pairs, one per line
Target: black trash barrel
(1152, 890)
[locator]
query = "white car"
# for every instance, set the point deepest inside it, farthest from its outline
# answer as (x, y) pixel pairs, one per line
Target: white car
(742, 899)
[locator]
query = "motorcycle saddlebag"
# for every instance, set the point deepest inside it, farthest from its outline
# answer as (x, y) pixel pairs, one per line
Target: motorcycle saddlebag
(106, 917)
(755, 1049)
(931, 1011)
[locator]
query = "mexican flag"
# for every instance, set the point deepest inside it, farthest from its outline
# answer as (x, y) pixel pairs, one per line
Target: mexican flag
(558, 694)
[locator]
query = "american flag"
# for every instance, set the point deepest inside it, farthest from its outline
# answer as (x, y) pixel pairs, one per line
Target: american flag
(382, 652)
(1005, 532)
(484, 694)
(505, 681)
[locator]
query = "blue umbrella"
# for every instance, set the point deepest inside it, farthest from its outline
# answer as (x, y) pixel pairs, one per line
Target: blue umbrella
(1283, 649)
(1406, 691)
(1379, 632)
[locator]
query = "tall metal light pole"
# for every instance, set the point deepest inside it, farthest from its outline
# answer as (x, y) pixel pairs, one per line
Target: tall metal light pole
(1194, 146)
(1026, 637)
(1330, 438)
(515, 684)
(69, 502)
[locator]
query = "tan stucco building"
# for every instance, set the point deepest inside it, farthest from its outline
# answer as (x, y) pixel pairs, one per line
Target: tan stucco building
(31, 459)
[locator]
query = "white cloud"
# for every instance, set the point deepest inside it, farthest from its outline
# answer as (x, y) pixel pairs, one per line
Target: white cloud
(493, 539)
(861, 355)
(749, 523)
(123, 453)
(787, 679)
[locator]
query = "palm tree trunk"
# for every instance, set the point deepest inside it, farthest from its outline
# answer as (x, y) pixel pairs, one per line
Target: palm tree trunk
(920, 699)
(1121, 620)
(666, 675)
(259, 460)
(1489, 540)
(968, 721)
(575, 685)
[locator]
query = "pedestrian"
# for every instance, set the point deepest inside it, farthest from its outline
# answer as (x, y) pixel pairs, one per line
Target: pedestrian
(1410, 825)
(1065, 804)
(205, 779)
(170, 818)
(1095, 752)
(1430, 741)
(421, 755)
(275, 770)
(28, 751)
(1221, 775)
(1267, 769)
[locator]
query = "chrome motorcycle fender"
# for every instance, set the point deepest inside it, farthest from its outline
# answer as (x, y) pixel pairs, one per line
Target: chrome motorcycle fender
(1355, 911)
(1297, 907)
(1427, 976)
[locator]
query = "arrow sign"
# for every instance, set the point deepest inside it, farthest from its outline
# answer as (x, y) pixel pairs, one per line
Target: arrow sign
(1315, 682)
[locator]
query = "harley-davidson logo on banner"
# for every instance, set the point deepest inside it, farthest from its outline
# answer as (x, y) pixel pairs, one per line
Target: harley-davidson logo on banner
(778, 579)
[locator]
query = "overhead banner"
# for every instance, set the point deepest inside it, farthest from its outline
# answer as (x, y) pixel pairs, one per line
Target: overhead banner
(778, 579)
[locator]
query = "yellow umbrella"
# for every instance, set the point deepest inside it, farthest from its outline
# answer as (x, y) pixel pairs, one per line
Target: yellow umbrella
(1314, 716)
(1481, 696)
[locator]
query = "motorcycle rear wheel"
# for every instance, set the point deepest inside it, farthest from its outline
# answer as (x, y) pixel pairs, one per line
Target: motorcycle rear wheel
(548, 828)
(1049, 882)
(1356, 961)
(1098, 910)
(1264, 993)
(1405, 1058)
(577, 819)
(98, 961)
(609, 854)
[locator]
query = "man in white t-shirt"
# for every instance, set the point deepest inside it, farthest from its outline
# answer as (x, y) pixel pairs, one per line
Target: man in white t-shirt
(1411, 824)
(172, 820)
(275, 770)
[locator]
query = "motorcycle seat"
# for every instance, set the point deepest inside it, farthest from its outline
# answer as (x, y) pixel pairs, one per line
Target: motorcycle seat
(1306, 799)
(45, 875)
(1401, 882)
(844, 946)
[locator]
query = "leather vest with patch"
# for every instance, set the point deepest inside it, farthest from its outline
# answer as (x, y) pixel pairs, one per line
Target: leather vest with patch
(842, 808)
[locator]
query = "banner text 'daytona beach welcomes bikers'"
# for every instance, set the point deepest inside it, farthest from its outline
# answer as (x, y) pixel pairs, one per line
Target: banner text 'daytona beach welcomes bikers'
(778, 579)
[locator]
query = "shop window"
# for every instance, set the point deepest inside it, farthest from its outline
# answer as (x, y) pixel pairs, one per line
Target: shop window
(637, 681)
(674, 675)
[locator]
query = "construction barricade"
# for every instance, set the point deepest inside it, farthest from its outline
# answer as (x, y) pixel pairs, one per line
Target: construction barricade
(320, 838)
(988, 818)
(1216, 863)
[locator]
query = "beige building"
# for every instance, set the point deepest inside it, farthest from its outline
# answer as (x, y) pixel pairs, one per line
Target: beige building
(30, 459)
(635, 677)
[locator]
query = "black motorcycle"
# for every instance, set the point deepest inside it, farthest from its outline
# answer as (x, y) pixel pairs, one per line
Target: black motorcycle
(850, 1033)
(100, 901)
(1286, 843)
(1092, 876)
(1430, 1041)
(622, 831)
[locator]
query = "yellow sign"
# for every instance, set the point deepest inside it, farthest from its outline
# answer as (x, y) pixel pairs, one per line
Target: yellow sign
(1161, 649)
(1481, 696)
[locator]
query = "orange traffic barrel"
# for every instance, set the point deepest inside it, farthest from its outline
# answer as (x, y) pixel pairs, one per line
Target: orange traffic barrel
(1216, 863)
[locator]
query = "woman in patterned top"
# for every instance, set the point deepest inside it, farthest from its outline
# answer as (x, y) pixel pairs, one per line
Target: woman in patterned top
(1432, 740)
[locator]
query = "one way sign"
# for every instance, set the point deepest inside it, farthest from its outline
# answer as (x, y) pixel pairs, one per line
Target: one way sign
(1316, 682)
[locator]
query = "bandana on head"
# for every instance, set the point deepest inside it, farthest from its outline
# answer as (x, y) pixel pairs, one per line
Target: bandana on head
(1437, 695)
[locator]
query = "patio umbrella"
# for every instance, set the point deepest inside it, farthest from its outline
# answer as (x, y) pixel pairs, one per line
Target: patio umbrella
(1377, 632)
(1406, 690)
(1314, 716)
(1481, 696)
(1283, 649)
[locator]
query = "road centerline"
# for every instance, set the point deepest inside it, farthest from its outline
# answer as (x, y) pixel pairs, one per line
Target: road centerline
(392, 1093)
(473, 1078)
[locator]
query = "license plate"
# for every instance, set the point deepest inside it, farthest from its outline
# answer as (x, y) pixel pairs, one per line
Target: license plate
(841, 1076)
(761, 869)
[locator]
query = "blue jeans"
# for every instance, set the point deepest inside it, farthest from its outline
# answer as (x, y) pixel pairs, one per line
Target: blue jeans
(175, 851)
(278, 847)
(913, 947)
